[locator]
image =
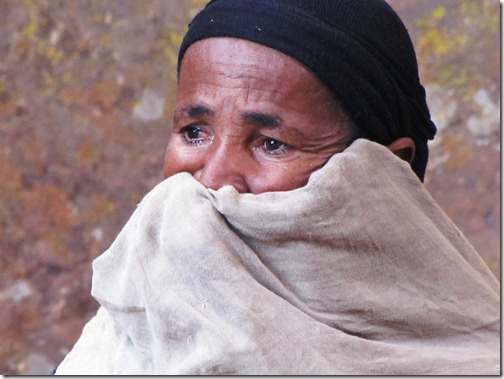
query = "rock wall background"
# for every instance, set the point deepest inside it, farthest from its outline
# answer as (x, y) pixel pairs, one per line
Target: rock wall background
(86, 88)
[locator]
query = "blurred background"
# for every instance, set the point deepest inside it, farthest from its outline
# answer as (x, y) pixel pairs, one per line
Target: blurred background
(86, 89)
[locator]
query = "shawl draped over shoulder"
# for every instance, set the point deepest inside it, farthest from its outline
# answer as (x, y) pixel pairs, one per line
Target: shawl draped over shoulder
(358, 272)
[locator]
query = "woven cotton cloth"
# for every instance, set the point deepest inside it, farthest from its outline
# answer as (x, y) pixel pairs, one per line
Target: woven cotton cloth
(358, 272)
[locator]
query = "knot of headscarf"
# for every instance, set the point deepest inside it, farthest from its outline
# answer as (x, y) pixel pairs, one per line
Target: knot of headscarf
(359, 49)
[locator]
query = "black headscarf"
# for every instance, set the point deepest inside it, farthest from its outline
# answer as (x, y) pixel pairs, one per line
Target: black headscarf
(359, 49)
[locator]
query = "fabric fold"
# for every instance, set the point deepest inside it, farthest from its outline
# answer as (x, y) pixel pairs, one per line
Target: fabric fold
(358, 272)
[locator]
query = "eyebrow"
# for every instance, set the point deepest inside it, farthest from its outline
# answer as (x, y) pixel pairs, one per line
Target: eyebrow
(196, 111)
(262, 119)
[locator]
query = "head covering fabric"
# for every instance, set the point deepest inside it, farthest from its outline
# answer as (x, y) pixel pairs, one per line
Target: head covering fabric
(359, 49)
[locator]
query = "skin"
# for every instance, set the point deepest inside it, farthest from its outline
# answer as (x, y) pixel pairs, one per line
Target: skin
(253, 118)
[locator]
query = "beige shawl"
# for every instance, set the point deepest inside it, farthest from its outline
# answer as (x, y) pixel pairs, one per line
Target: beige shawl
(358, 272)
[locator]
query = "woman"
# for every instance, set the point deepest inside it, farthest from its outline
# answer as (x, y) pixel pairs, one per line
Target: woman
(293, 235)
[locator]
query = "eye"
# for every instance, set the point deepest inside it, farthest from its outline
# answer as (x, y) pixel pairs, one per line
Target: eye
(195, 135)
(275, 147)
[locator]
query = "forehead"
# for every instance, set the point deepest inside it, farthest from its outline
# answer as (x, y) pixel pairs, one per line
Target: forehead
(231, 60)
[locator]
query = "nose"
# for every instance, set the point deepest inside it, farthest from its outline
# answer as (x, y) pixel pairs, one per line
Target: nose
(222, 167)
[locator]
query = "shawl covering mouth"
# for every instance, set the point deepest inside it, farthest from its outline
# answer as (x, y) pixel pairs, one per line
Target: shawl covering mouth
(358, 272)
(359, 49)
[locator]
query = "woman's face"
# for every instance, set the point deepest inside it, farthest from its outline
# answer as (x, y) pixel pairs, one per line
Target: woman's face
(250, 117)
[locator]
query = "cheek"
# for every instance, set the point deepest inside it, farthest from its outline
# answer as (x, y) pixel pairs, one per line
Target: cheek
(178, 160)
(288, 176)
(279, 177)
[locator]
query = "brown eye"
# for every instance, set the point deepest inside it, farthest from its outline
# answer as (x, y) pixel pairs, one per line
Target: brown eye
(195, 135)
(275, 147)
